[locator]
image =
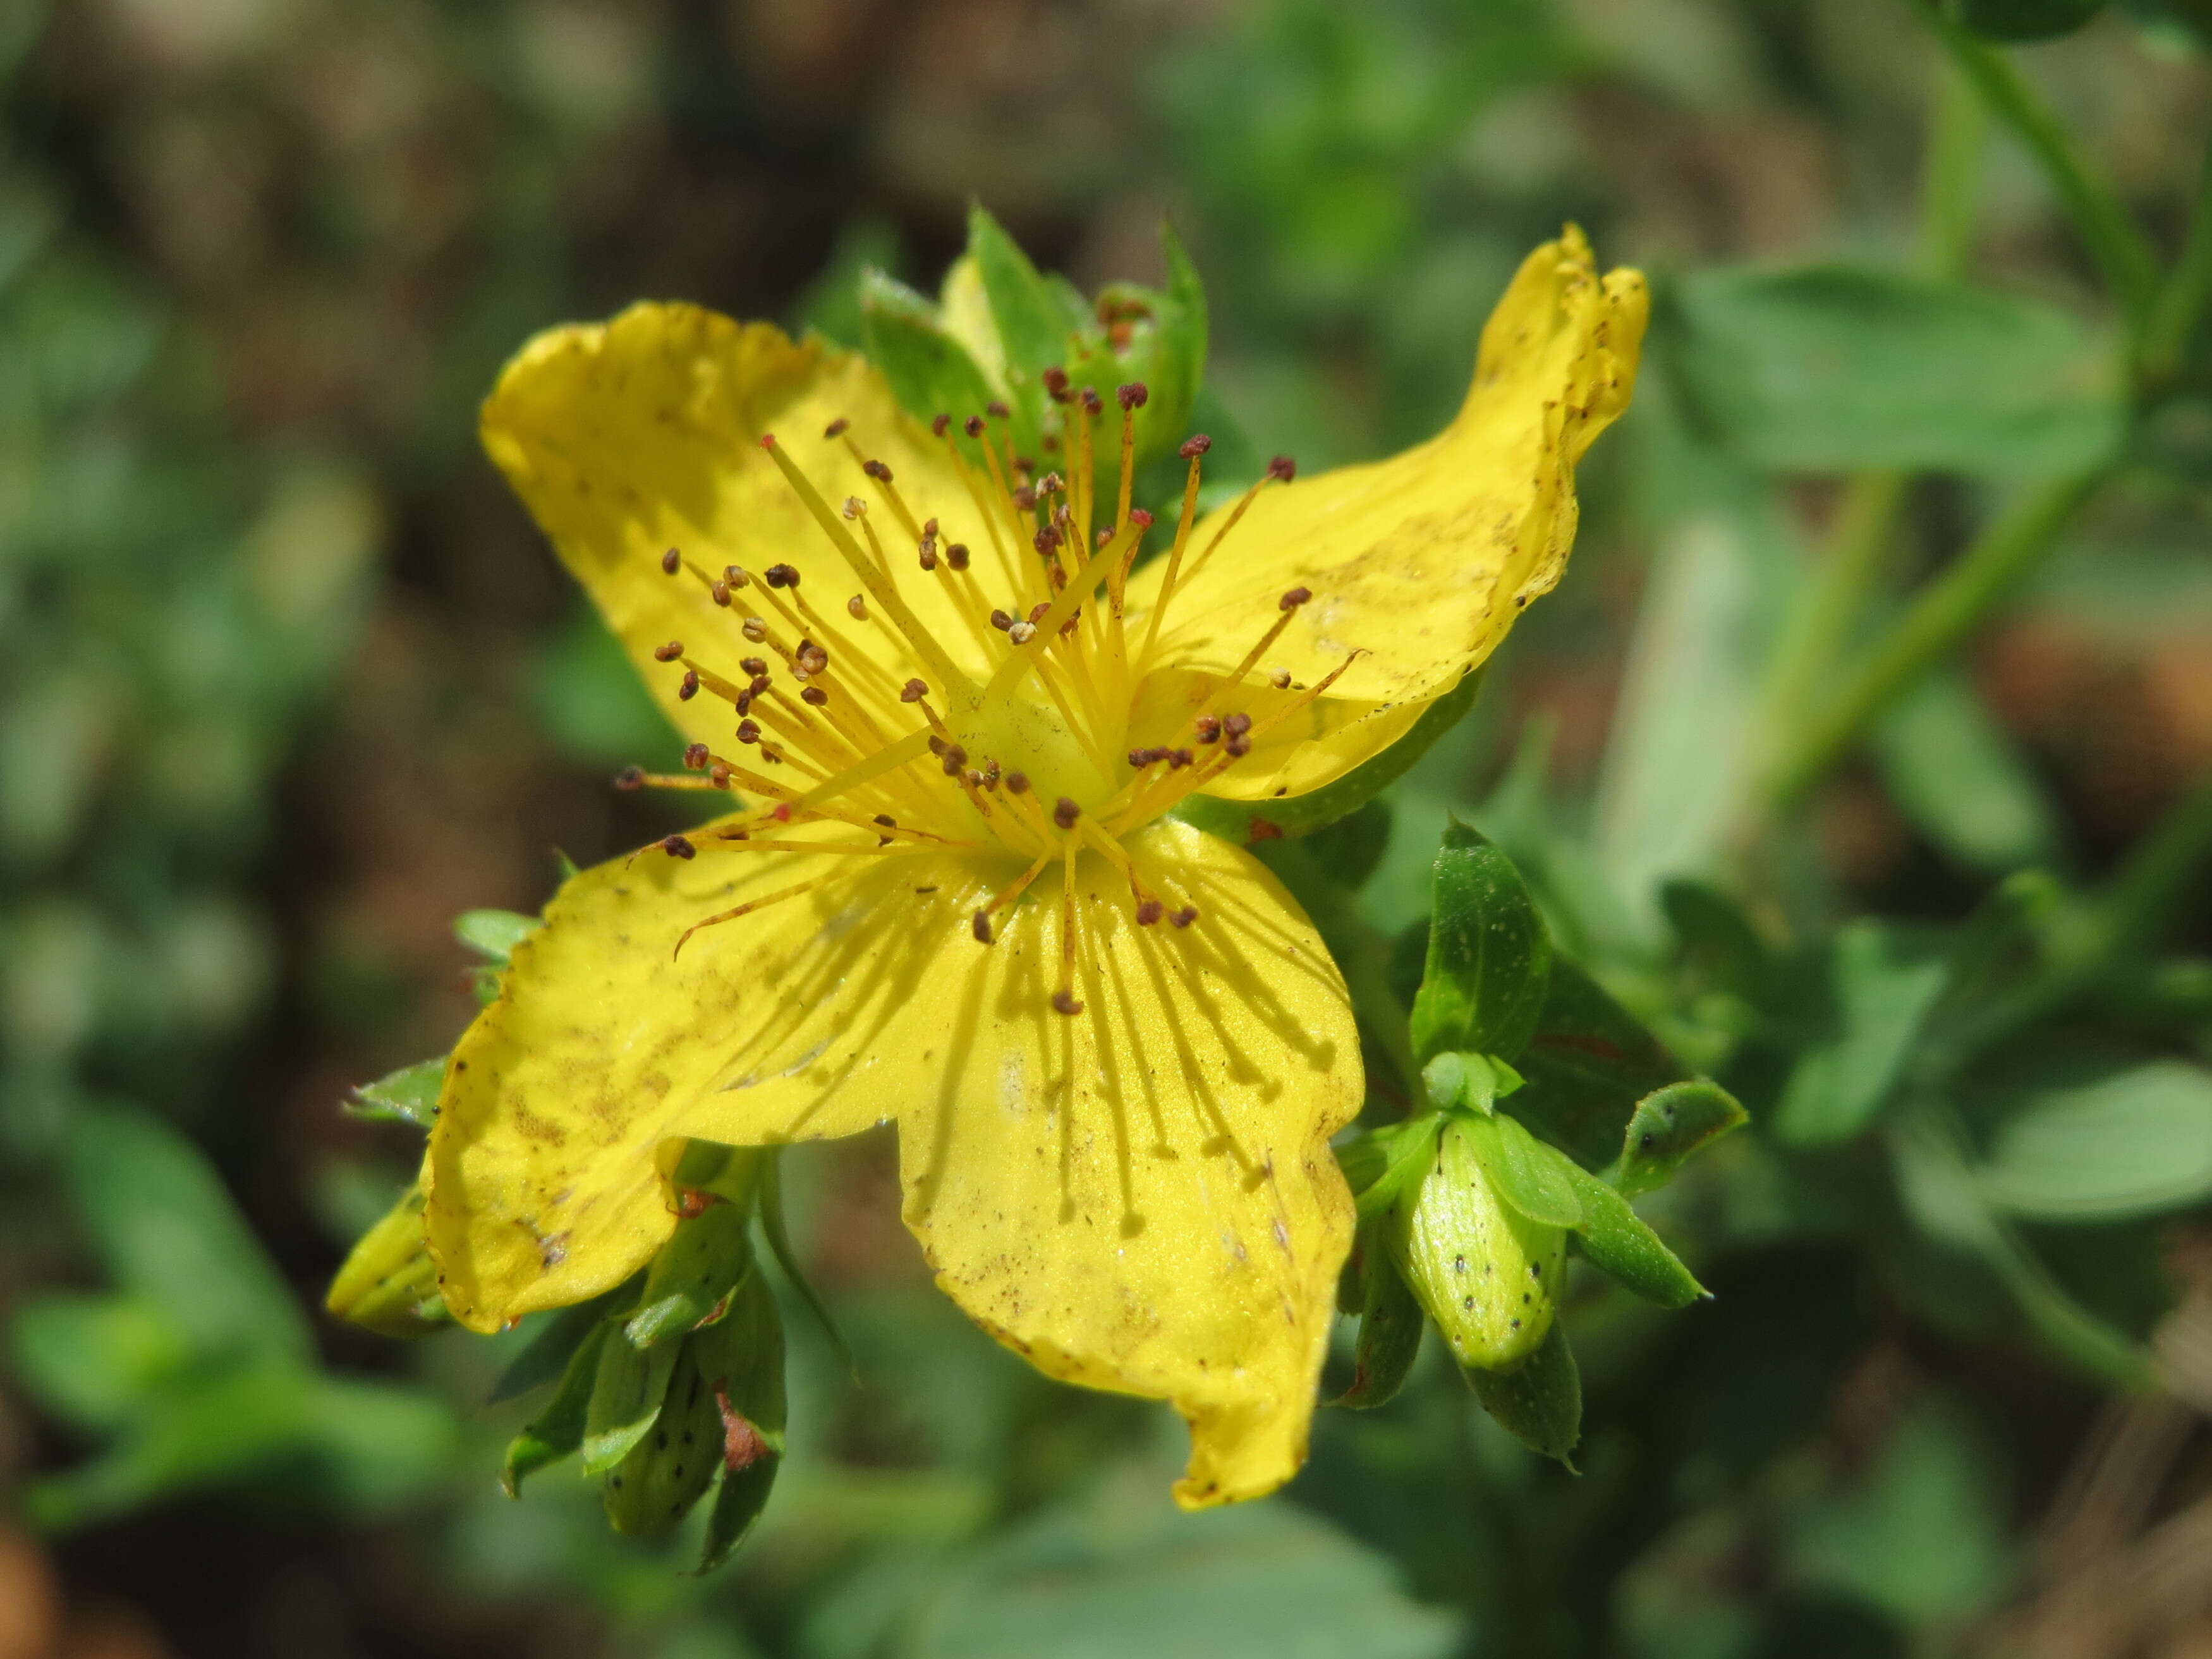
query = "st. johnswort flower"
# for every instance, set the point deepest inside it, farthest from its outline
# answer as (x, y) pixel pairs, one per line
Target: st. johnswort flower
(961, 708)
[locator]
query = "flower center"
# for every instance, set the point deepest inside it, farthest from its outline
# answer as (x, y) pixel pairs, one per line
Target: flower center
(1029, 766)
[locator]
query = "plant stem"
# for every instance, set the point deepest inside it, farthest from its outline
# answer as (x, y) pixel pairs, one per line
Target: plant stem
(2122, 252)
(2181, 303)
(2138, 902)
(1939, 619)
(1951, 175)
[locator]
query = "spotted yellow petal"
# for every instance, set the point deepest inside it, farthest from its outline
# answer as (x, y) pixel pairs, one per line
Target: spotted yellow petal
(1418, 564)
(1138, 1196)
(631, 437)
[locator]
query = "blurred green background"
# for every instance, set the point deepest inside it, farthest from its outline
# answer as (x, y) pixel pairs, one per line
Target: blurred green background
(287, 681)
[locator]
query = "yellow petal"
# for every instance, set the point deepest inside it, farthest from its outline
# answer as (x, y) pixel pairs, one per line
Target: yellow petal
(1422, 561)
(629, 437)
(1139, 1197)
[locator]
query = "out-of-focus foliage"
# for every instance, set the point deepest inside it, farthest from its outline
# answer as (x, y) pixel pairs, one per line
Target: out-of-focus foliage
(285, 686)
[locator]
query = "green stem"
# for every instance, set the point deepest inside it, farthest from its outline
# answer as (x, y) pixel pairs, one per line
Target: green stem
(1938, 620)
(2138, 905)
(2181, 303)
(2123, 253)
(1951, 176)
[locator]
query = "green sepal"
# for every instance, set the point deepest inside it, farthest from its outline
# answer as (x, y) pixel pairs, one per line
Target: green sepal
(1669, 1127)
(1621, 1244)
(1536, 1180)
(408, 1095)
(1362, 1157)
(627, 1388)
(1407, 1148)
(1302, 815)
(929, 372)
(741, 1358)
(1390, 1326)
(1490, 958)
(701, 1264)
(389, 1283)
(730, 1173)
(547, 1354)
(1035, 322)
(493, 934)
(558, 1429)
(1589, 1063)
(1541, 1403)
(662, 1477)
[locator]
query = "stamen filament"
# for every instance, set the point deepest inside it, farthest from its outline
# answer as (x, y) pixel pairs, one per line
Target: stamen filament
(747, 908)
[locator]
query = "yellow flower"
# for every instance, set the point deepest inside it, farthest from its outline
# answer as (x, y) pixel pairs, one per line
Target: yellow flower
(1114, 1047)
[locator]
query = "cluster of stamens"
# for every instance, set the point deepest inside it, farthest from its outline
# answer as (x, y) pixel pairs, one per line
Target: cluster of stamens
(826, 735)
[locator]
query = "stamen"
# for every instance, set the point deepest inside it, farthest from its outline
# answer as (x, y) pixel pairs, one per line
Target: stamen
(1132, 398)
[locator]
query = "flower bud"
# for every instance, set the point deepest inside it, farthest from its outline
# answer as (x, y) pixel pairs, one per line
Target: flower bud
(1487, 1276)
(389, 1284)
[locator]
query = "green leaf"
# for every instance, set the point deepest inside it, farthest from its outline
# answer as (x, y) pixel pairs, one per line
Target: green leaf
(1669, 1127)
(1390, 1327)
(1833, 368)
(558, 1431)
(930, 373)
(1886, 982)
(1589, 1063)
(1534, 1178)
(2138, 1143)
(741, 1358)
(1961, 779)
(1716, 940)
(1489, 961)
(408, 1095)
(656, 1484)
(701, 1263)
(167, 1233)
(1304, 815)
(94, 1359)
(494, 933)
(1621, 1244)
(1035, 323)
(1541, 1405)
(2024, 20)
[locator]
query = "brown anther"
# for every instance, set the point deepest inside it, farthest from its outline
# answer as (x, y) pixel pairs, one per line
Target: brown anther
(753, 629)
(1293, 598)
(690, 688)
(753, 666)
(695, 756)
(1052, 484)
(1001, 621)
(1194, 446)
(877, 471)
(735, 575)
(759, 687)
(671, 562)
(1092, 403)
(1237, 725)
(1282, 467)
(1140, 519)
(928, 554)
(1208, 728)
(814, 694)
(956, 761)
(940, 425)
(853, 508)
(1184, 917)
(781, 576)
(1037, 611)
(782, 813)
(1150, 912)
(936, 745)
(1237, 748)
(982, 925)
(719, 774)
(973, 425)
(836, 427)
(1064, 1002)
(990, 775)
(913, 691)
(997, 410)
(975, 778)
(886, 820)
(1018, 783)
(676, 848)
(857, 608)
(1022, 632)
(720, 590)
(1045, 540)
(1055, 383)
(744, 703)
(630, 777)
(1103, 537)
(813, 657)
(1139, 757)
(749, 730)
(668, 652)
(1179, 758)
(1280, 678)
(1131, 395)
(1065, 813)
(957, 555)
(1024, 498)
(929, 528)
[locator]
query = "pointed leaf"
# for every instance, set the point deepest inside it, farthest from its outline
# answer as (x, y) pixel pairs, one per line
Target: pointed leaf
(929, 372)
(558, 1431)
(627, 1388)
(408, 1095)
(1620, 1243)
(1541, 1405)
(1390, 1326)
(1489, 960)
(1886, 980)
(494, 933)
(1669, 1126)
(1534, 1178)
